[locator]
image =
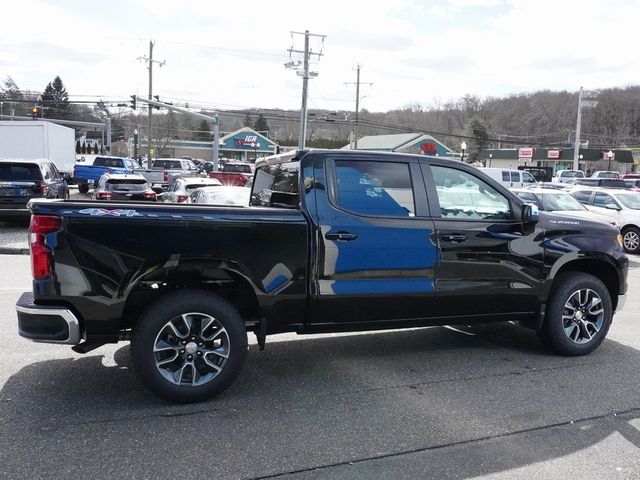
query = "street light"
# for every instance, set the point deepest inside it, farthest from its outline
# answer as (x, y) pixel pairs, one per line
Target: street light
(610, 156)
(490, 157)
(463, 146)
(256, 146)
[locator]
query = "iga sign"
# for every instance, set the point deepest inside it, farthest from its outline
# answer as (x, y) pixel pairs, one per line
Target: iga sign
(525, 152)
(247, 141)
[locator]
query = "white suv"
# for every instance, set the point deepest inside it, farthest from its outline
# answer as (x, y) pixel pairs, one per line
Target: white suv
(605, 174)
(620, 205)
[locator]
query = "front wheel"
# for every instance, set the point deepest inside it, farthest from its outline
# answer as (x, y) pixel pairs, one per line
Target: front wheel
(83, 187)
(189, 346)
(631, 239)
(578, 314)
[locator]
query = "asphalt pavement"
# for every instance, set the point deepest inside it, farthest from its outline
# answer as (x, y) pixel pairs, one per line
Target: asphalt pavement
(463, 402)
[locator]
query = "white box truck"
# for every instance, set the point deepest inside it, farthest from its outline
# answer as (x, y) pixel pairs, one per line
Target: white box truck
(31, 140)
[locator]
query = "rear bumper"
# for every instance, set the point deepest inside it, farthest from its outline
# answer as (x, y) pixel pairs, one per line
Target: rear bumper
(48, 324)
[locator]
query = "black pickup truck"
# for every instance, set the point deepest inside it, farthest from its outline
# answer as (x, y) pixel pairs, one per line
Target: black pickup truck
(332, 241)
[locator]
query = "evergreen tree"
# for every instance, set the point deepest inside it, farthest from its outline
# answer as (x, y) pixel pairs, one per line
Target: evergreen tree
(78, 148)
(84, 148)
(204, 132)
(261, 125)
(55, 99)
(477, 129)
(95, 148)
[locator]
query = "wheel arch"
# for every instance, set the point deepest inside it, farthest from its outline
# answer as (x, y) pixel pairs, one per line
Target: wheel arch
(214, 276)
(599, 267)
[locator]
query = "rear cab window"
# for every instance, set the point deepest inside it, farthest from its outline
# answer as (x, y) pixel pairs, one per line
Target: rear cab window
(276, 185)
(10, 171)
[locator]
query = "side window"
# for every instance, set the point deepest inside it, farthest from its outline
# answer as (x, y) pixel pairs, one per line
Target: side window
(505, 176)
(528, 178)
(603, 199)
(46, 171)
(582, 196)
(515, 177)
(463, 196)
(374, 188)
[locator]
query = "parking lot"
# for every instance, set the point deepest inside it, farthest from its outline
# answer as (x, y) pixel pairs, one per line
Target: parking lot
(486, 402)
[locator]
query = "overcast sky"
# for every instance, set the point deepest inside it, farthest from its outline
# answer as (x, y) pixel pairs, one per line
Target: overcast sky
(231, 55)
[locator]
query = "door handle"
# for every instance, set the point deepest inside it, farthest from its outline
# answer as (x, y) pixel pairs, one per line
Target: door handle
(341, 236)
(454, 237)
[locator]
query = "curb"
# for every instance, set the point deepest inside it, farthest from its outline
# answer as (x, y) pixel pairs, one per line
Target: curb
(14, 251)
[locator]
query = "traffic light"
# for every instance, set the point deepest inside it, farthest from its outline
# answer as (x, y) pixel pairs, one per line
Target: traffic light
(35, 112)
(133, 102)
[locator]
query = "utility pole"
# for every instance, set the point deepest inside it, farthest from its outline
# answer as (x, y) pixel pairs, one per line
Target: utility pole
(149, 61)
(357, 84)
(576, 146)
(585, 99)
(305, 74)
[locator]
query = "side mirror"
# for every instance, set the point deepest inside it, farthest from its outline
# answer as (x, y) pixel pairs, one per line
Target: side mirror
(530, 214)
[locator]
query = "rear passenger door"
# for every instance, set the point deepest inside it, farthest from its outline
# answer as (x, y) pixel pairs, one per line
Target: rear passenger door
(376, 250)
(487, 264)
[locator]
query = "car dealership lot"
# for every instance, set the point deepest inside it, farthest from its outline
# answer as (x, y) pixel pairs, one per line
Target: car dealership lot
(459, 402)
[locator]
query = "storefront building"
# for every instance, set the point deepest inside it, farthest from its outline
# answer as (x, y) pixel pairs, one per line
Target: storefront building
(417, 143)
(243, 145)
(554, 159)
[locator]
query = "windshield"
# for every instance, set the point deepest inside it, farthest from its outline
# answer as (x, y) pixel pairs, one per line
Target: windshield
(236, 168)
(629, 200)
(190, 188)
(572, 174)
(553, 201)
(608, 175)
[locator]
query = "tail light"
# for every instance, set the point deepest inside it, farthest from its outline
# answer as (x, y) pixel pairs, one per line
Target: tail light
(150, 195)
(103, 195)
(165, 176)
(182, 198)
(41, 254)
(43, 188)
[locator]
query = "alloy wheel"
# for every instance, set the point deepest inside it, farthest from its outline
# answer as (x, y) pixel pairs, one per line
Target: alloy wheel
(583, 316)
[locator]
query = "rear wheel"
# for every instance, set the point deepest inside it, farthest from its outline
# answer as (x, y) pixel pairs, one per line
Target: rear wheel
(83, 187)
(631, 239)
(189, 346)
(578, 314)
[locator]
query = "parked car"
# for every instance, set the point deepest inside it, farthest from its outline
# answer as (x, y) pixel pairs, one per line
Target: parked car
(333, 240)
(88, 175)
(116, 186)
(164, 170)
(23, 180)
(563, 176)
(541, 174)
(622, 206)
(560, 203)
(605, 174)
(510, 178)
(223, 195)
(599, 182)
(630, 176)
(235, 173)
(181, 187)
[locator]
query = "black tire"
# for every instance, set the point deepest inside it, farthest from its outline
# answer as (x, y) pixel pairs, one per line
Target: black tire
(631, 239)
(83, 187)
(153, 327)
(558, 333)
